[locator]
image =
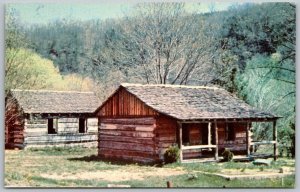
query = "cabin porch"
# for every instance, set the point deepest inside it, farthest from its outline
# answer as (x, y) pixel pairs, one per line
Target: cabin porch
(205, 141)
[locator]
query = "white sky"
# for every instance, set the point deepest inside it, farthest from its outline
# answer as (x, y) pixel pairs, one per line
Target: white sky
(42, 13)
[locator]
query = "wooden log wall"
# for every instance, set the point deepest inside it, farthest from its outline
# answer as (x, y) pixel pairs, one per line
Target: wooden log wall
(70, 125)
(124, 104)
(165, 134)
(129, 139)
(238, 145)
(197, 132)
(195, 135)
(14, 125)
(36, 133)
(92, 125)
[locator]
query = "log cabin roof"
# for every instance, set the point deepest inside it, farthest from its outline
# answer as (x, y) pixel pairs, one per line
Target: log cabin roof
(45, 101)
(195, 102)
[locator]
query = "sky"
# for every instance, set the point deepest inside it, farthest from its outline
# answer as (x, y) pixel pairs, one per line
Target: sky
(42, 13)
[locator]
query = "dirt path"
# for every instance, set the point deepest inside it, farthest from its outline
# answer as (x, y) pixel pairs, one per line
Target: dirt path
(127, 173)
(121, 174)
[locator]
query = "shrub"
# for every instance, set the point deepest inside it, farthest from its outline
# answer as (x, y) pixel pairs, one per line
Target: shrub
(261, 168)
(227, 155)
(171, 155)
(243, 169)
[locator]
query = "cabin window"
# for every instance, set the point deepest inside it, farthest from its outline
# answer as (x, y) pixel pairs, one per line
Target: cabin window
(82, 125)
(52, 126)
(230, 134)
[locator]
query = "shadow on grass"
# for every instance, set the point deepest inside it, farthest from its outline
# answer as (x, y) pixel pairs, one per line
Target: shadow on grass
(86, 158)
(95, 158)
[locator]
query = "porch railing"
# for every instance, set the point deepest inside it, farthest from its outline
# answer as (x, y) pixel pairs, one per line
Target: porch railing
(262, 143)
(198, 147)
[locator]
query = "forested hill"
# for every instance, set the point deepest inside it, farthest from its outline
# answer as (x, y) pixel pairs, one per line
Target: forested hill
(216, 46)
(248, 50)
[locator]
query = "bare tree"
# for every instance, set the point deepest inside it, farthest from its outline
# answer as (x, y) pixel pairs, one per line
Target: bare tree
(162, 43)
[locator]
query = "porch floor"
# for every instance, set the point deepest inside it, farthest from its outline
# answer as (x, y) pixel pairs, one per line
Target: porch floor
(238, 158)
(200, 160)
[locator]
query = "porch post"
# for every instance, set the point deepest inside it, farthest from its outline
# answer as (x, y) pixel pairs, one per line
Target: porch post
(216, 140)
(209, 133)
(275, 140)
(180, 141)
(248, 139)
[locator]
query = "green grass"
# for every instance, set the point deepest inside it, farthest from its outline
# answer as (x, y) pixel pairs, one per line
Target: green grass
(27, 168)
(206, 167)
(216, 167)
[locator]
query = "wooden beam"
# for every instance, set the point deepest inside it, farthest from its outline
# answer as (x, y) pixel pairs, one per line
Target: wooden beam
(216, 142)
(99, 129)
(275, 140)
(230, 120)
(209, 133)
(180, 141)
(248, 142)
(198, 147)
(263, 143)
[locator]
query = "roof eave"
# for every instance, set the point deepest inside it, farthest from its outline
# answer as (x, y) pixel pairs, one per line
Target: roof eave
(211, 119)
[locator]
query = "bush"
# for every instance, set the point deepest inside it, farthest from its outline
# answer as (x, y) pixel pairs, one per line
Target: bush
(227, 155)
(171, 155)
(243, 169)
(261, 168)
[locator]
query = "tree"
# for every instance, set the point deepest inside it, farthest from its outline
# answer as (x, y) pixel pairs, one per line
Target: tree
(260, 28)
(75, 82)
(267, 86)
(257, 52)
(70, 44)
(14, 35)
(160, 43)
(26, 70)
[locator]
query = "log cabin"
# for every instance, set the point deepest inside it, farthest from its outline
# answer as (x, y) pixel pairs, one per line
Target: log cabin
(38, 118)
(139, 122)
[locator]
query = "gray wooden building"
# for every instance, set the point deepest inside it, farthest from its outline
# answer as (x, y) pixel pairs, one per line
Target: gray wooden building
(36, 118)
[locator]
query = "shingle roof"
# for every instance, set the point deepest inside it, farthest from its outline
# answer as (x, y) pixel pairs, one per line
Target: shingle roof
(194, 102)
(45, 101)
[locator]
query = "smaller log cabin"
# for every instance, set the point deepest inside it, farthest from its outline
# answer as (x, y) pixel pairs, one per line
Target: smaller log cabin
(139, 122)
(36, 118)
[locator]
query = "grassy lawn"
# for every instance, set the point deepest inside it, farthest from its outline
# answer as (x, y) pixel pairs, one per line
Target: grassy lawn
(79, 167)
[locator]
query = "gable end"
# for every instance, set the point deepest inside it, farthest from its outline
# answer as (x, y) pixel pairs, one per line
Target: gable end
(124, 104)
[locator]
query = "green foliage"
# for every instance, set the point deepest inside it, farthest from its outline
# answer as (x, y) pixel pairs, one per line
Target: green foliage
(227, 155)
(15, 37)
(243, 169)
(27, 70)
(261, 168)
(267, 29)
(132, 44)
(171, 155)
(269, 84)
(14, 176)
(260, 28)
(58, 43)
(75, 82)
